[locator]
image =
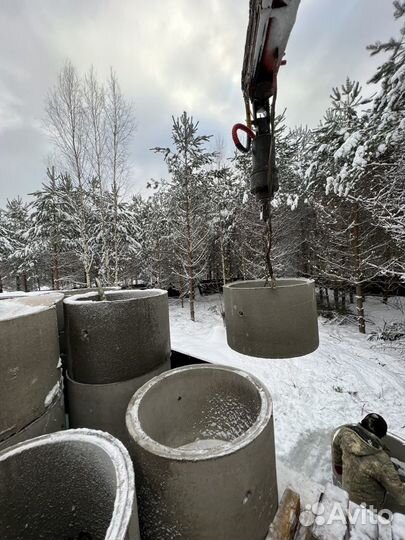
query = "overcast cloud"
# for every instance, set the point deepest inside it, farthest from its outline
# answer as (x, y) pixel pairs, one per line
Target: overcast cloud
(169, 56)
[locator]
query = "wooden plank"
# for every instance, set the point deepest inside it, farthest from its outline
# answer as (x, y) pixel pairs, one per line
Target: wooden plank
(286, 521)
(307, 519)
(331, 522)
(363, 524)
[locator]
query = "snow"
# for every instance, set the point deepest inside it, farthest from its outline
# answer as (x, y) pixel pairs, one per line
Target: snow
(398, 74)
(398, 527)
(363, 522)
(350, 143)
(381, 148)
(39, 299)
(122, 296)
(346, 378)
(358, 160)
(329, 184)
(11, 294)
(205, 444)
(11, 310)
(52, 394)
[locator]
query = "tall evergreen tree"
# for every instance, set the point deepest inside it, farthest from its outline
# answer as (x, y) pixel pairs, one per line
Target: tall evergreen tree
(53, 227)
(187, 163)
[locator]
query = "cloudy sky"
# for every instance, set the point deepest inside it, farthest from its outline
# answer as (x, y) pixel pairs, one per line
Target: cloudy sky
(169, 56)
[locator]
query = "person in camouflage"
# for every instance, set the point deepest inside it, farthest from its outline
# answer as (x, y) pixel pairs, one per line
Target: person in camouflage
(368, 473)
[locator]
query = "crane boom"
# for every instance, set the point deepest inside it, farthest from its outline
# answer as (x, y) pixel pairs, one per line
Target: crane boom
(269, 28)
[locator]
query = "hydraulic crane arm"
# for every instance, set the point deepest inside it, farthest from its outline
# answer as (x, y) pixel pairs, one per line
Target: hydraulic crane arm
(269, 28)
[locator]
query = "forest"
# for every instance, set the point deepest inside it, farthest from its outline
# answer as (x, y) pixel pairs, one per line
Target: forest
(338, 217)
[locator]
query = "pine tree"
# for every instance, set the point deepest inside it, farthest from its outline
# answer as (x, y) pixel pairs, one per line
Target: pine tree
(5, 247)
(123, 234)
(21, 253)
(386, 144)
(186, 164)
(153, 217)
(53, 226)
(342, 170)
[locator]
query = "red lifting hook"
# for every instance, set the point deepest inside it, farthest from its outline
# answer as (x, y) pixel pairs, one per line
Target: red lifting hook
(250, 136)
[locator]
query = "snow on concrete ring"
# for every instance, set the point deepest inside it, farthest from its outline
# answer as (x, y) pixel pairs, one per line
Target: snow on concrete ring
(44, 298)
(70, 484)
(271, 322)
(202, 442)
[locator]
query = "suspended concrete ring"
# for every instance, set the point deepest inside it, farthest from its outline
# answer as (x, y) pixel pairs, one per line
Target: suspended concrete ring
(271, 322)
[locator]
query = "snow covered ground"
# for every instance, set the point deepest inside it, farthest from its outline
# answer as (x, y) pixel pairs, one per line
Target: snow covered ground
(346, 378)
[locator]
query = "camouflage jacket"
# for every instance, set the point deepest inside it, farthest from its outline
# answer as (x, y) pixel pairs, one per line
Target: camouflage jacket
(368, 472)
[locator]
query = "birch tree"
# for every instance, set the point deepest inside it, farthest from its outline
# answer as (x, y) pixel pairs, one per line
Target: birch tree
(94, 103)
(120, 124)
(67, 125)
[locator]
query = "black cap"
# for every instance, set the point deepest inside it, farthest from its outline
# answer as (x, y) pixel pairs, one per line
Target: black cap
(376, 424)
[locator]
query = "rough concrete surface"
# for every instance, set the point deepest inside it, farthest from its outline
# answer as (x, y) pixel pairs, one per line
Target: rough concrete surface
(52, 420)
(47, 299)
(29, 355)
(202, 443)
(103, 406)
(65, 486)
(271, 322)
(118, 339)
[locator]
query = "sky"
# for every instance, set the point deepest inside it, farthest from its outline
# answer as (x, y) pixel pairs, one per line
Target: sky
(169, 56)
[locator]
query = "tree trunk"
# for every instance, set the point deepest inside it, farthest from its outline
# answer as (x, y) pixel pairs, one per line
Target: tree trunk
(116, 263)
(1, 285)
(190, 254)
(191, 283)
(343, 300)
(181, 284)
(221, 242)
(159, 262)
(327, 298)
(351, 296)
(87, 278)
(25, 281)
(321, 296)
(360, 308)
(336, 298)
(358, 269)
(55, 271)
(192, 299)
